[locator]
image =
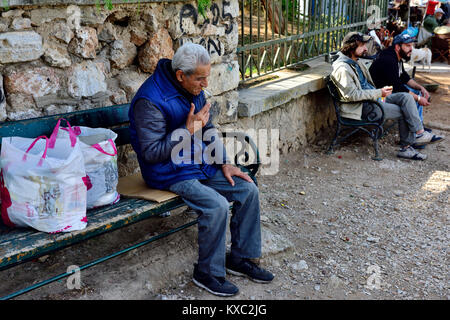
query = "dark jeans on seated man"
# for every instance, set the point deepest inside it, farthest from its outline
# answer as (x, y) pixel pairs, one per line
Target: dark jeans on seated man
(211, 198)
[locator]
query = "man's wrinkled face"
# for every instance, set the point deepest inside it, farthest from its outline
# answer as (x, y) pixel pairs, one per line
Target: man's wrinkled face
(194, 83)
(405, 51)
(361, 50)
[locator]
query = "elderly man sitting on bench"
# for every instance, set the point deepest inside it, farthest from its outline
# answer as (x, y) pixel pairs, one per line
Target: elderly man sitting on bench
(171, 105)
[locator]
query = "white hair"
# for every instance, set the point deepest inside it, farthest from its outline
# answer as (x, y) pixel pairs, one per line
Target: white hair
(189, 56)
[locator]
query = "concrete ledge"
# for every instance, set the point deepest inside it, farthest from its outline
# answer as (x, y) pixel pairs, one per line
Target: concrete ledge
(288, 86)
(17, 3)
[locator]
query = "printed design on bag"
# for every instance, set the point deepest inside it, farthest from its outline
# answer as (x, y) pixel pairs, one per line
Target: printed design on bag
(50, 194)
(111, 176)
(6, 201)
(30, 211)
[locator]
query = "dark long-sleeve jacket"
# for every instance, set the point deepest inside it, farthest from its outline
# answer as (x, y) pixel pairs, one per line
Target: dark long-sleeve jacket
(163, 107)
(155, 140)
(386, 70)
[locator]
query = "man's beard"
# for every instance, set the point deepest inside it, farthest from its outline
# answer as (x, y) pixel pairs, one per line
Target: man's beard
(362, 55)
(404, 55)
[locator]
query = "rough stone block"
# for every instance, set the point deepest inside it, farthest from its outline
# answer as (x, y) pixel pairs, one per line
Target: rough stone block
(157, 47)
(224, 107)
(34, 81)
(56, 54)
(20, 46)
(44, 15)
(223, 77)
(85, 80)
(85, 43)
(130, 81)
(21, 23)
(123, 52)
(21, 106)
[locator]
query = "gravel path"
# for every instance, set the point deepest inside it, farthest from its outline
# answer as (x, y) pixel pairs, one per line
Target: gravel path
(347, 227)
(338, 226)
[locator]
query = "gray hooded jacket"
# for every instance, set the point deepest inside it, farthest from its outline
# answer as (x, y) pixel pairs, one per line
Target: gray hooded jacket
(345, 78)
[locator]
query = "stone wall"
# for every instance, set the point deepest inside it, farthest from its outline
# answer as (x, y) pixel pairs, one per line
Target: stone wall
(57, 58)
(298, 122)
(62, 58)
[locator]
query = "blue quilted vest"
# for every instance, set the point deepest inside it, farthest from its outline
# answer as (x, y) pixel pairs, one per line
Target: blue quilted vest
(175, 107)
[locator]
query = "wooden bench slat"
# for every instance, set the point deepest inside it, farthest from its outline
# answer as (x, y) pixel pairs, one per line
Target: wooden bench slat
(32, 244)
(9, 234)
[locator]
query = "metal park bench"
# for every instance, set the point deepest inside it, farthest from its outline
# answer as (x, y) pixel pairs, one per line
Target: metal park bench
(373, 128)
(19, 245)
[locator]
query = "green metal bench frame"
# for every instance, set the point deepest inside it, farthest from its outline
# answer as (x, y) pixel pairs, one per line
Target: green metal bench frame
(19, 245)
(374, 129)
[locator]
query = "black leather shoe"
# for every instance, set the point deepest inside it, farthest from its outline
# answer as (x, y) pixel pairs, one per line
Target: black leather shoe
(216, 285)
(247, 268)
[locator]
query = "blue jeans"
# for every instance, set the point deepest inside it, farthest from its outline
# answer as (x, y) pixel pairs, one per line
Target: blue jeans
(211, 199)
(419, 107)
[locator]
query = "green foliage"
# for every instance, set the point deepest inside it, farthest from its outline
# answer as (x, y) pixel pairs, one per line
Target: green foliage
(108, 4)
(5, 5)
(202, 5)
(290, 6)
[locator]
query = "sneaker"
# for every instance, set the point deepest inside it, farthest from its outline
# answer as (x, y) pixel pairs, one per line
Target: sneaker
(436, 139)
(410, 153)
(415, 146)
(216, 285)
(246, 268)
(426, 138)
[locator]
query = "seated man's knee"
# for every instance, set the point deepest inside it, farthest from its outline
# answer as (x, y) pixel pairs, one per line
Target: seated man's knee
(408, 97)
(217, 211)
(252, 189)
(221, 205)
(248, 189)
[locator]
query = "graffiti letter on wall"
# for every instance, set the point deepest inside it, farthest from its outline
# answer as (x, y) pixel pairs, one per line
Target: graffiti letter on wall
(227, 15)
(217, 48)
(187, 11)
(216, 13)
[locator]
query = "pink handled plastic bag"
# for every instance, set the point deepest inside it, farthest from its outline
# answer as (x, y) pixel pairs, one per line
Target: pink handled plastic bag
(42, 187)
(100, 160)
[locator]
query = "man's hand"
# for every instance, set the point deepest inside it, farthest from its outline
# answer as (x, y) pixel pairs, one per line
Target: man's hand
(385, 91)
(229, 171)
(201, 116)
(423, 102)
(425, 93)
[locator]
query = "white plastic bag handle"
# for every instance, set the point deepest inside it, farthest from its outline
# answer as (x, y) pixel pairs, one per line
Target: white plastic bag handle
(72, 135)
(44, 155)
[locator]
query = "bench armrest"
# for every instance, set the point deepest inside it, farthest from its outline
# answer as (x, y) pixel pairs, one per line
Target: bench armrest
(248, 145)
(335, 95)
(374, 104)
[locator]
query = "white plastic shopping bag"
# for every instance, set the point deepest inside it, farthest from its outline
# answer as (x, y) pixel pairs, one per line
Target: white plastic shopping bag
(41, 186)
(100, 160)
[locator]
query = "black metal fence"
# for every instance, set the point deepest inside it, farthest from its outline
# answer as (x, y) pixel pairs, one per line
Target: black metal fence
(277, 34)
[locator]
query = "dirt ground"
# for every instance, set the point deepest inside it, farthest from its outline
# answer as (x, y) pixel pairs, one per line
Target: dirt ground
(338, 226)
(439, 110)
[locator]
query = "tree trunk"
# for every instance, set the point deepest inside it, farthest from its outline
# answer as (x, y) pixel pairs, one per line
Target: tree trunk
(274, 15)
